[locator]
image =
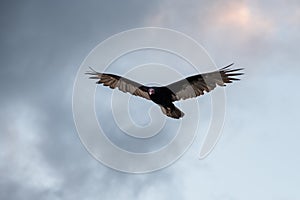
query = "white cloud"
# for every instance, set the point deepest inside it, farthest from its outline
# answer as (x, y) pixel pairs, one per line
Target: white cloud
(21, 158)
(257, 152)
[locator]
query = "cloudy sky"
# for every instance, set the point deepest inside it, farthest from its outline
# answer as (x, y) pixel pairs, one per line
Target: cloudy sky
(43, 43)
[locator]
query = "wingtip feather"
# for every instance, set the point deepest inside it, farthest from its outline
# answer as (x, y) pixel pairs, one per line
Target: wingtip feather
(227, 66)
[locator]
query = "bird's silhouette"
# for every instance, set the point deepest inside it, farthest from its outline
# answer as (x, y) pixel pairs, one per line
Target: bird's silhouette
(164, 96)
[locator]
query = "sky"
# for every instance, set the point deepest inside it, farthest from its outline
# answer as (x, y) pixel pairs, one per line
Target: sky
(43, 44)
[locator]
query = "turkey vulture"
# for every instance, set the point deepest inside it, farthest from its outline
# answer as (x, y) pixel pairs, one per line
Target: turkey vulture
(164, 96)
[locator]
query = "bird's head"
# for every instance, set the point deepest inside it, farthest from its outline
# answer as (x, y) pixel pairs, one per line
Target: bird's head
(151, 91)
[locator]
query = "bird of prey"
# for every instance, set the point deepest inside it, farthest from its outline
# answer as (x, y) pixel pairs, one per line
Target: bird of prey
(164, 96)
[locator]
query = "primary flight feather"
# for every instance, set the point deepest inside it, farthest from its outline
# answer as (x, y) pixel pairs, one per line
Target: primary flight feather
(164, 96)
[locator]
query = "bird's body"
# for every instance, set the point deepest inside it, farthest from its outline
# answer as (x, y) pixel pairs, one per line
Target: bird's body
(163, 100)
(164, 96)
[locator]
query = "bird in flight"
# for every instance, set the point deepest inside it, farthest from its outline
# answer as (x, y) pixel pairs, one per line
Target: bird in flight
(164, 96)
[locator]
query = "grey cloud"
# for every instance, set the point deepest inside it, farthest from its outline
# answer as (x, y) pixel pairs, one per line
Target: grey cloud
(42, 45)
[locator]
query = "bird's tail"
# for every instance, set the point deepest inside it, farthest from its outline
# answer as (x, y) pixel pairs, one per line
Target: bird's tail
(172, 111)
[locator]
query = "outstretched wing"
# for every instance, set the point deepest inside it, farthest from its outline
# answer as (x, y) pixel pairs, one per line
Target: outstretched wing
(198, 84)
(123, 84)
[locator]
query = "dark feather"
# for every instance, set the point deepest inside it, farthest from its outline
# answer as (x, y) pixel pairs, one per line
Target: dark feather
(197, 85)
(123, 84)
